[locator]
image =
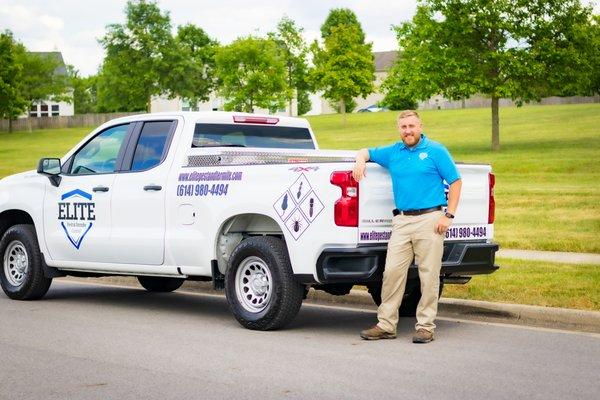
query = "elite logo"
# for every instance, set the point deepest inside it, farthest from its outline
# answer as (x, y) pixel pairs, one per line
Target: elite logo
(76, 210)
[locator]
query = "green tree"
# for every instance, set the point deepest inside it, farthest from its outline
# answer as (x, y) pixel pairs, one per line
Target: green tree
(588, 45)
(304, 103)
(12, 100)
(293, 51)
(251, 74)
(44, 76)
(192, 65)
(396, 100)
(338, 17)
(138, 55)
(504, 48)
(344, 67)
(84, 91)
(27, 77)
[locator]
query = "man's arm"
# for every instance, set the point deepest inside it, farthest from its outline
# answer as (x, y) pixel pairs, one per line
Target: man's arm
(360, 166)
(453, 197)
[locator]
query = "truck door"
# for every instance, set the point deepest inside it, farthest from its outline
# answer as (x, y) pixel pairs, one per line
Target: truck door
(138, 202)
(77, 214)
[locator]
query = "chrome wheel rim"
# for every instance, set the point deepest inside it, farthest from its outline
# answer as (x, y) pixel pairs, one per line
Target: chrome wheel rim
(16, 263)
(253, 284)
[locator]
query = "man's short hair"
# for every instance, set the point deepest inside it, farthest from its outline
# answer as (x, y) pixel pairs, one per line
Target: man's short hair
(408, 113)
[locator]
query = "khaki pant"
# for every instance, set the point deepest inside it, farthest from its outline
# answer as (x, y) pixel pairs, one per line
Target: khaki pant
(412, 236)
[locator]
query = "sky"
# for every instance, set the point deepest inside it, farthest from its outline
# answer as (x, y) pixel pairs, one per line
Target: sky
(74, 26)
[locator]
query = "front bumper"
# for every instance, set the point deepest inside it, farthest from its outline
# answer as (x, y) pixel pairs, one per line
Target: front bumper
(366, 264)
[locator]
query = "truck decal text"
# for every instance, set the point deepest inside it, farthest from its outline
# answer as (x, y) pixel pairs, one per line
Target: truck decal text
(210, 176)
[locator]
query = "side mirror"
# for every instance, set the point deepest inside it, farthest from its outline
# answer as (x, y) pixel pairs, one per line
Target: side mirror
(51, 168)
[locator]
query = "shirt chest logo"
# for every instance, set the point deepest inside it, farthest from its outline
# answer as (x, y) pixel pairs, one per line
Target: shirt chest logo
(423, 155)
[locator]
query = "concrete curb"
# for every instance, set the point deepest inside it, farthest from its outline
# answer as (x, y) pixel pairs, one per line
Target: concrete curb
(548, 317)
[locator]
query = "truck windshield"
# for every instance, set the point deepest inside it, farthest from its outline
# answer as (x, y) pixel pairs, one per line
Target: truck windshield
(228, 135)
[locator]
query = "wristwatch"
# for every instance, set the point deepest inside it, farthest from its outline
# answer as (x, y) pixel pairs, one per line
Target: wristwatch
(448, 215)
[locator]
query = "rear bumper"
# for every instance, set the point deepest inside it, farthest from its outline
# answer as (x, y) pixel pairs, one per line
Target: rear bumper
(366, 264)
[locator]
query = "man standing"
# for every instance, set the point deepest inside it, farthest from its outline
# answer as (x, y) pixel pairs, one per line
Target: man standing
(418, 166)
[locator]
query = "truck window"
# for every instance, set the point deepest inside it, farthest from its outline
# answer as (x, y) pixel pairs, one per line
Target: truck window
(278, 137)
(151, 144)
(99, 155)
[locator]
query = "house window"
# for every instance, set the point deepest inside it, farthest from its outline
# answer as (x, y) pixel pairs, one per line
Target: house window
(33, 110)
(44, 107)
(55, 111)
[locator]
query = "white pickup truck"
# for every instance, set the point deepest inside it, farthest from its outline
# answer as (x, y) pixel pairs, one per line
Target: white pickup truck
(247, 201)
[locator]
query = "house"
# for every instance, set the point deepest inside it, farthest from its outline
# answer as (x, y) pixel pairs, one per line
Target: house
(48, 108)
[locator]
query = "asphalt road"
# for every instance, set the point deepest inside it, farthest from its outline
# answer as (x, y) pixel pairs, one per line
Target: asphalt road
(100, 342)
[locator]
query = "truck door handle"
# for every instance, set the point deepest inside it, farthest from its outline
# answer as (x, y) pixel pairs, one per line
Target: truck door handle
(100, 189)
(154, 188)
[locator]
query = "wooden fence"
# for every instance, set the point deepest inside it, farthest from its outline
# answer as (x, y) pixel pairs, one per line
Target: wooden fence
(80, 120)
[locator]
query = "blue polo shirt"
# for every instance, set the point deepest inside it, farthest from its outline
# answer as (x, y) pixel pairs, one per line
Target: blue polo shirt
(417, 173)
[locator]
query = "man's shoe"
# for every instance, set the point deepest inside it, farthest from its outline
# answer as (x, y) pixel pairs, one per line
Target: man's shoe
(423, 336)
(376, 333)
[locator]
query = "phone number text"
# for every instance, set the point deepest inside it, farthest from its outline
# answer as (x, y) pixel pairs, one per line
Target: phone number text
(219, 189)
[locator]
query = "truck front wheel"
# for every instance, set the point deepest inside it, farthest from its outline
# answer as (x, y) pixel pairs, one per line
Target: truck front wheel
(22, 275)
(259, 284)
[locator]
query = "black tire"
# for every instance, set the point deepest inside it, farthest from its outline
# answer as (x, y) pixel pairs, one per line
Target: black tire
(262, 257)
(412, 295)
(19, 248)
(160, 284)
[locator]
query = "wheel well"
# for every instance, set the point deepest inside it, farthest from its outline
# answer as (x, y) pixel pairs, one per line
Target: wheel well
(10, 218)
(239, 227)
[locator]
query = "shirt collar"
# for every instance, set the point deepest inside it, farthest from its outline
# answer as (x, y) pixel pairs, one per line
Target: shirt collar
(424, 142)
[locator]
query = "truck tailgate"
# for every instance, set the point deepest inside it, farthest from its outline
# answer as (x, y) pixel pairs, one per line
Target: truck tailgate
(471, 223)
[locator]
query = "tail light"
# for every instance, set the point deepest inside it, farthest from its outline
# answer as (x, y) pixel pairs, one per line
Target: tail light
(346, 207)
(492, 203)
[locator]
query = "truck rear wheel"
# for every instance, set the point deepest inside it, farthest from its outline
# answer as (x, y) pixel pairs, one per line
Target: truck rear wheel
(412, 295)
(22, 275)
(259, 284)
(160, 284)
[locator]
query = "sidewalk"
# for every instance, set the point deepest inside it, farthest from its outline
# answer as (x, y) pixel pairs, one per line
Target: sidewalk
(552, 256)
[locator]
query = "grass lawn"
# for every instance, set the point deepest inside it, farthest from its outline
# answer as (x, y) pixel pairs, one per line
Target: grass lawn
(547, 174)
(535, 283)
(21, 151)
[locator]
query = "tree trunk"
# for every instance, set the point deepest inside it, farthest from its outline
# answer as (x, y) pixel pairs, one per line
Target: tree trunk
(343, 111)
(9, 124)
(495, 124)
(149, 104)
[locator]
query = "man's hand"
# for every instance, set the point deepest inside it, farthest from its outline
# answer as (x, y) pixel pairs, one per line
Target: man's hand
(359, 170)
(442, 225)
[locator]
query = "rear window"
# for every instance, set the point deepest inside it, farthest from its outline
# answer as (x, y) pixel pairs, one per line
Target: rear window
(278, 137)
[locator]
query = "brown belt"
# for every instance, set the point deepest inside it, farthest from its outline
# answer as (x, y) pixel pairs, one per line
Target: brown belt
(421, 211)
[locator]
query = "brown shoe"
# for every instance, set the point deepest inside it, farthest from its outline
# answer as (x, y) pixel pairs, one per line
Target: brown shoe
(376, 333)
(423, 336)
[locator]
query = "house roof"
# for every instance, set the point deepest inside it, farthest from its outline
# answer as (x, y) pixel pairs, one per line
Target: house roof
(61, 68)
(384, 60)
